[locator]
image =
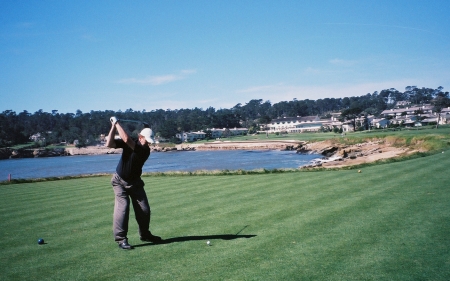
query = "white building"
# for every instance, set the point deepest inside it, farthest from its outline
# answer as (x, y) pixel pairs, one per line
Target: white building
(408, 111)
(301, 124)
(191, 136)
(218, 133)
(402, 103)
(445, 116)
(380, 123)
(408, 116)
(39, 136)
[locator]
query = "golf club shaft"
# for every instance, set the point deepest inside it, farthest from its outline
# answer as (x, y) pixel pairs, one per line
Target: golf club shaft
(133, 121)
(146, 125)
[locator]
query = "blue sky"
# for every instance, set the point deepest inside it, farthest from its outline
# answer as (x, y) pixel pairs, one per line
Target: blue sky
(117, 55)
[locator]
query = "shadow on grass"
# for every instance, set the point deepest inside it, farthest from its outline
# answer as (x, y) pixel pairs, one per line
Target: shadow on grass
(197, 238)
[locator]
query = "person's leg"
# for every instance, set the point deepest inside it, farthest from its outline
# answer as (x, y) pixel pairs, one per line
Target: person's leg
(121, 209)
(142, 212)
(141, 207)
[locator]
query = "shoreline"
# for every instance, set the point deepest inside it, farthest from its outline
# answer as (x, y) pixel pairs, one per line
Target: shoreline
(243, 145)
(339, 156)
(7, 153)
(335, 155)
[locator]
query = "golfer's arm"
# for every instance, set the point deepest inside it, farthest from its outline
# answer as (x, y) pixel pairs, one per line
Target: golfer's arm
(124, 136)
(110, 140)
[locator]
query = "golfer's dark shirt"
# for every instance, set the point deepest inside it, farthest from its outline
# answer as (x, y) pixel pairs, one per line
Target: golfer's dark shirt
(131, 162)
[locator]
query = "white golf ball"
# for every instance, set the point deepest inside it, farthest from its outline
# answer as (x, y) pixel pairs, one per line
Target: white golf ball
(208, 243)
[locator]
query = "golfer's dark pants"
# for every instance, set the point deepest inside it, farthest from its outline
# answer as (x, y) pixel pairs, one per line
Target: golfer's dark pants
(124, 192)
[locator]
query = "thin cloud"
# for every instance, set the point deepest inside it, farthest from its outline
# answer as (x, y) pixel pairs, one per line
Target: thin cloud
(157, 80)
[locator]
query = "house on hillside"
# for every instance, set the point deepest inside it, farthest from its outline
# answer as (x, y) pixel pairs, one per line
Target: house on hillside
(300, 124)
(227, 132)
(407, 111)
(409, 116)
(429, 119)
(361, 121)
(402, 103)
(191, 136)
(379, 123)
(445, 116)
(39, 137)
(332, 123)
(347, 126)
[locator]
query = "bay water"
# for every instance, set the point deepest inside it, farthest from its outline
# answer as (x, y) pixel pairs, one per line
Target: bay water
(31, 168)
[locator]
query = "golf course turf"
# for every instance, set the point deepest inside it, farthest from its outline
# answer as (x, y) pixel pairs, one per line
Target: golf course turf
(389, 222)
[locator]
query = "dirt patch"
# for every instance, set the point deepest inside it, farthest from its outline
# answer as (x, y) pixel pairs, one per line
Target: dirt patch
(349, 155)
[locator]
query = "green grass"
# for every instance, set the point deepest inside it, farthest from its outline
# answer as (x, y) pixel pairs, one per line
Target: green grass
(390, 222)
(24, 145)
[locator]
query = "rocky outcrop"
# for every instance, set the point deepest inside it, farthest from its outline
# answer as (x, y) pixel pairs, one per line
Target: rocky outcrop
(49, 152)
(244, 145)
(21, 153)
(5, 153)
(338, 155)
(162, 149)
(328, 151)
(92, 150)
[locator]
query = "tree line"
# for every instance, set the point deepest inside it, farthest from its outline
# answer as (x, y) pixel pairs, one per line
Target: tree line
(55, 127)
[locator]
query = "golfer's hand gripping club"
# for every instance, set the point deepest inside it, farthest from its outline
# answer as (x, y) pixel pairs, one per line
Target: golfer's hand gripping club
(114, 120)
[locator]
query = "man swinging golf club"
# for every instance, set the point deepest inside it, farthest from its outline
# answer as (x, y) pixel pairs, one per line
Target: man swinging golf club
(127, 184)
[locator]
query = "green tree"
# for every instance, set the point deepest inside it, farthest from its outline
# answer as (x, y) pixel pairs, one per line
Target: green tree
(208, 134)
(11, 129)
(169, 129)
(439, 103)
(226, 133)
(418, 115)
(350, 114)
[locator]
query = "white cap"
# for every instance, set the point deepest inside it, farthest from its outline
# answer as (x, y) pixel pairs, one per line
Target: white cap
(147, 133)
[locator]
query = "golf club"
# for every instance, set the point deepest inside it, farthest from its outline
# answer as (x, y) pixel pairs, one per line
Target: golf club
(146, 125)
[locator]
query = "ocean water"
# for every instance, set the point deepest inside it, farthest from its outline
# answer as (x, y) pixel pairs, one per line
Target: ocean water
(158, 162)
